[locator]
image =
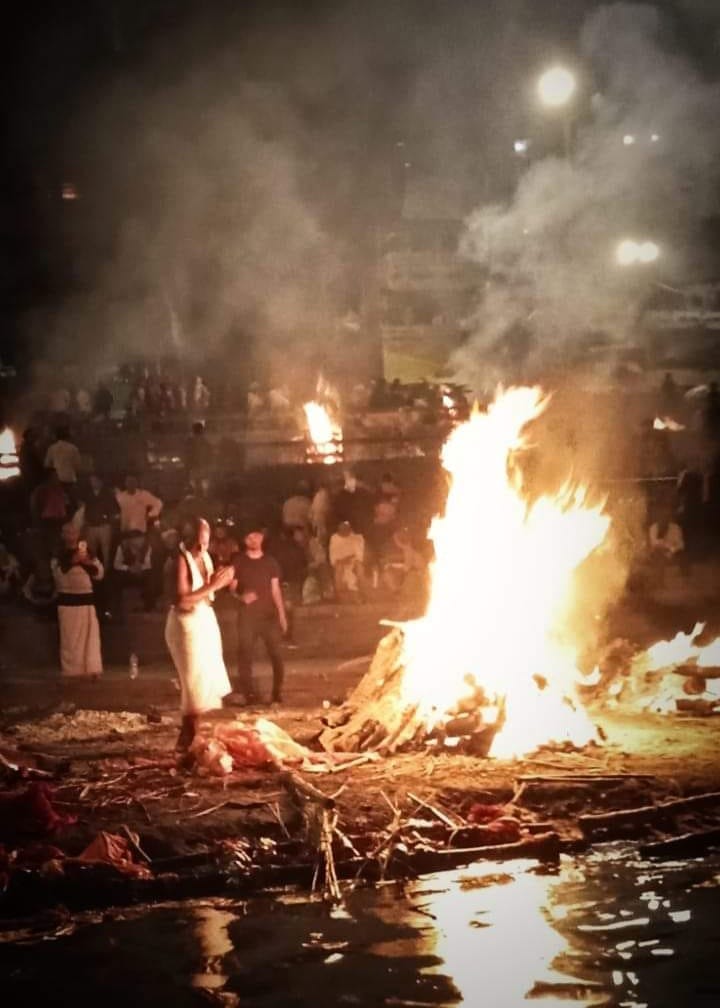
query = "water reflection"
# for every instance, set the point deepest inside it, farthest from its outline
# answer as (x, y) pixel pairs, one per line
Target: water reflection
(211, 928)
(606, 929)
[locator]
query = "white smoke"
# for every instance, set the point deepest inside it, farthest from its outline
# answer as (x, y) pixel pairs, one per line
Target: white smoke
(549, 254)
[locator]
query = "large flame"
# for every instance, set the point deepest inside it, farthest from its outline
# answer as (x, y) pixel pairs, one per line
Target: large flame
(501, 586)
(8, 455)
(325, 433)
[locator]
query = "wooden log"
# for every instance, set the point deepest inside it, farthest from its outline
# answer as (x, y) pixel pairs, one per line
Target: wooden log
(647, 814)
(685, 845)
(711, 672)
(303, 792)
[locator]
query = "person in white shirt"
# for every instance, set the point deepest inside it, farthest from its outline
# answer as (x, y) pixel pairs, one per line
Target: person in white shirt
(296, 509)
(64, 457)
(347, 553)
(132, 568)
(320, 509)
(83, 401)
(137, 506)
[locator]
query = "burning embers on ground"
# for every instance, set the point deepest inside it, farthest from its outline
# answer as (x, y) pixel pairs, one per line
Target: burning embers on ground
(489, 663)
(675, 675)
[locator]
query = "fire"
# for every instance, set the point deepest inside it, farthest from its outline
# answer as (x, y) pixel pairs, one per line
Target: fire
(667, 423)
(9, 467)
(682, 650)
(325, 433)
(653, 683)
(501, 586)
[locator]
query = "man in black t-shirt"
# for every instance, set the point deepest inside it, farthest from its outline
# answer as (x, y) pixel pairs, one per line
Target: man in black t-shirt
(261, 612)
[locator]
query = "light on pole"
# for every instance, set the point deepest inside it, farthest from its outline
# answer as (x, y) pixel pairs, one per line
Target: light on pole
(556, 87)
(632, 253)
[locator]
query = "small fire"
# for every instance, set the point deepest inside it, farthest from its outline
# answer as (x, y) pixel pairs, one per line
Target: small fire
(325, 434)
(9, 467)
(654, 685)
(682, 650)
(502, 582)
(667, 423)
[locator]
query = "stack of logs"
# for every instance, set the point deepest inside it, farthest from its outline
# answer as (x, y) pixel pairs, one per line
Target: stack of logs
(376, 716)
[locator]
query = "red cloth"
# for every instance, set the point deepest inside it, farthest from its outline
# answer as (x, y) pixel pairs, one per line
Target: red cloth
(108, 848)
(30, 812)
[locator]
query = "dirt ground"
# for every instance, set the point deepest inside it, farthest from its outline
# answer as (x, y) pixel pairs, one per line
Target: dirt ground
(108, 747)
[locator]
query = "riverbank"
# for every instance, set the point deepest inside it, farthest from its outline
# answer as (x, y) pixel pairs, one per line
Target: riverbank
(104, 753)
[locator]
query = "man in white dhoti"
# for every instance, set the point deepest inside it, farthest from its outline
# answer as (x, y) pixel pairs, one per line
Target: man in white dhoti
(192, 633)
(75, 571)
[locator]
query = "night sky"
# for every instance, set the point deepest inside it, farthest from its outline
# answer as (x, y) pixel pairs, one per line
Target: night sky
(161, 115)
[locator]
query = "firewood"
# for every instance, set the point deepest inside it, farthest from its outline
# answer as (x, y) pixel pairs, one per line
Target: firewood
(685, 845)
(647, 814)
(303, 792)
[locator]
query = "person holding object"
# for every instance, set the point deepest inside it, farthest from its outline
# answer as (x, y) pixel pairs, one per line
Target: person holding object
(261, 612)
(75, 572)
(192, 633)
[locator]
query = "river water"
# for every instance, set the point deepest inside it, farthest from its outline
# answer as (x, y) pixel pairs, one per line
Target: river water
(606, 928)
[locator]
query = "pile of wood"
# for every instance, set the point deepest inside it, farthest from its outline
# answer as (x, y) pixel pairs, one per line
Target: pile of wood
(377, 717)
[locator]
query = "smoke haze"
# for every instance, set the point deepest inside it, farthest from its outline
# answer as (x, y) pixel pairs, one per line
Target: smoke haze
(549, 253)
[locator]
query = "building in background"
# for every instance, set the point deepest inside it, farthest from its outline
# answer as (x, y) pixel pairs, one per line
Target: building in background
(425, 292)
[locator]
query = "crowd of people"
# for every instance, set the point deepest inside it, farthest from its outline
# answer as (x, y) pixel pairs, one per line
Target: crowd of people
(89, 548)
(136, 392)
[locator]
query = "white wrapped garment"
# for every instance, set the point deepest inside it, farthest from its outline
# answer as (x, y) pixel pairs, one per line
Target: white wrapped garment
(193, 639)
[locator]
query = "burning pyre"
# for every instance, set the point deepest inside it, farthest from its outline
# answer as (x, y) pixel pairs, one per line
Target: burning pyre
(324, 430)
(489, 663)
(9, 463)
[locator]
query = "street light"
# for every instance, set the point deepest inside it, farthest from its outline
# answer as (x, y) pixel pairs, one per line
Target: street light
(631, 253)
(648, 252)
(556, 87)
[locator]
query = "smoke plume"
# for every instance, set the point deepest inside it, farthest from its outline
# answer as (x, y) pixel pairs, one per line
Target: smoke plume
(643, 165)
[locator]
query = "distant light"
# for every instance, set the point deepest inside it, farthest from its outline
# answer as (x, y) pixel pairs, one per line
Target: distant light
(68, 191)
(627, 252)
(521, 146)
(556, 86)
(648, 252)
(629, 139)
(654, 137)
(630, 252)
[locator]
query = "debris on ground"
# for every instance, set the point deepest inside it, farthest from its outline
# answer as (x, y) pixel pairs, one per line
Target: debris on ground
(79, 726)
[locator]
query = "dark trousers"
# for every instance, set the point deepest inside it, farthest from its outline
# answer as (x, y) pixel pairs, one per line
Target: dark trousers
(251, 626)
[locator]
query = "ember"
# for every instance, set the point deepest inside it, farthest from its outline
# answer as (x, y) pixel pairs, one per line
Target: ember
(489, 661)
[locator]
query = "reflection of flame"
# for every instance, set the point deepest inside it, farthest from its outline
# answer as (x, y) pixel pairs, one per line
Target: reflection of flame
(8, 455)
(667, 423)
(325, 433)
(501, 585)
